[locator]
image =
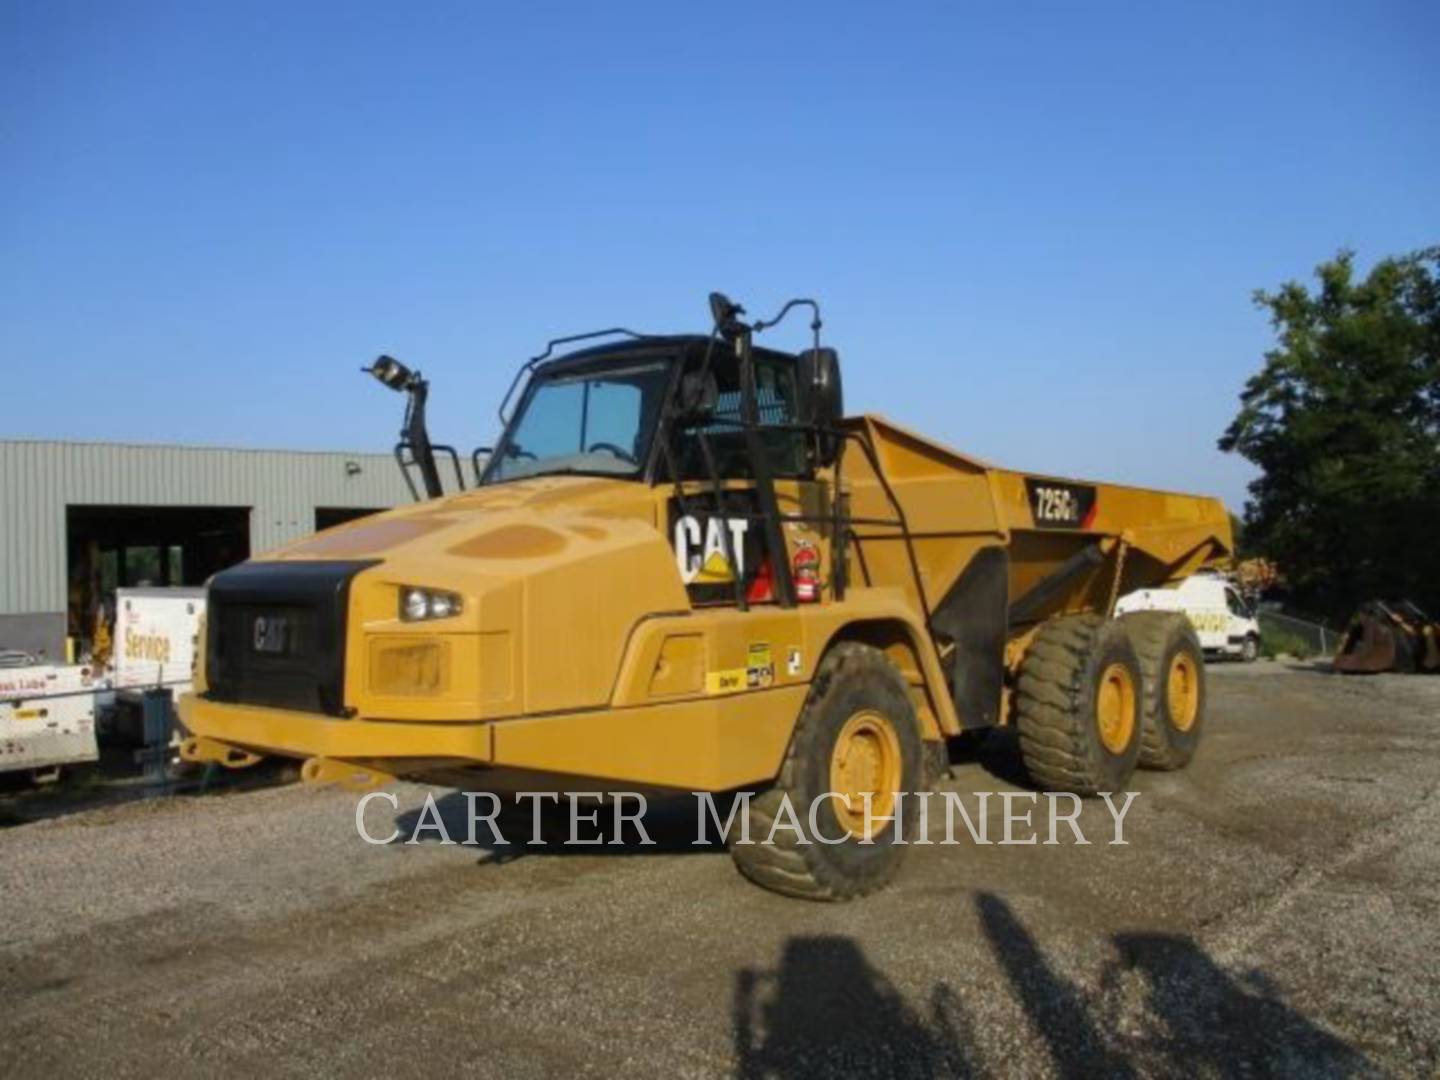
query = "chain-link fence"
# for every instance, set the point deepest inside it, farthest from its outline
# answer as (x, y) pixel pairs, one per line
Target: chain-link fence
(1294, 636)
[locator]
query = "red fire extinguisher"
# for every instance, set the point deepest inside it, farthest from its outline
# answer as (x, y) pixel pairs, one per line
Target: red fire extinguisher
(805, 569)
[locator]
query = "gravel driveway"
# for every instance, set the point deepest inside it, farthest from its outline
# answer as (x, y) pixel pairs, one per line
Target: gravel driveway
(1275, 910)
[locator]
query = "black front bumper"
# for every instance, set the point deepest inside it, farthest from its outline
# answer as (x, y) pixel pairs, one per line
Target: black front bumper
(276, 635)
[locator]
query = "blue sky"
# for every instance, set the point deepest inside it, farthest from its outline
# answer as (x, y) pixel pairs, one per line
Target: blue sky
(1035, 228)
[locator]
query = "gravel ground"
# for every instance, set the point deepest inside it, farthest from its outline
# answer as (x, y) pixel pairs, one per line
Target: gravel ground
(1275, 910)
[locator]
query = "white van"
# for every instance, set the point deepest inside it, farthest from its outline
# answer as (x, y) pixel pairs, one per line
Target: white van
(1225, 623)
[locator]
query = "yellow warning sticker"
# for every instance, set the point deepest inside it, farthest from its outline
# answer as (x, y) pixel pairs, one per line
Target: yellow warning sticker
(725, 682)
(715, 570)
(758, 672)
(759, 666)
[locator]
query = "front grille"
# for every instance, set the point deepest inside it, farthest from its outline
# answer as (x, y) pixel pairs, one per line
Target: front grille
(276, 635)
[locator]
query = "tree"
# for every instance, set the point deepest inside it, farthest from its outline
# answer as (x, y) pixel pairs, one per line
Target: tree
(1344, 422)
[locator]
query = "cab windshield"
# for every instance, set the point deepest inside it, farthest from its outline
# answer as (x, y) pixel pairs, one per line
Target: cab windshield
(597, 422)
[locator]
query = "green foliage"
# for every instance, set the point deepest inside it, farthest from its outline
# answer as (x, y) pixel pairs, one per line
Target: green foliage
(1237, 530)
(1344, 422)
(1275, 643)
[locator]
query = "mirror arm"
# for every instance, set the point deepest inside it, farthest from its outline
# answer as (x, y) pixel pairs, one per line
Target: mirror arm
(802, 301)
(417, 438)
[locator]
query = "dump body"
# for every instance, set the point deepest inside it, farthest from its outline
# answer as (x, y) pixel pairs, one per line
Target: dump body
(956, 507)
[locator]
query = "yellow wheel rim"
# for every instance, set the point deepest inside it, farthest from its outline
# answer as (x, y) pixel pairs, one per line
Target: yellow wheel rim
(1182, 691)
(866, 761)
(1115, 708)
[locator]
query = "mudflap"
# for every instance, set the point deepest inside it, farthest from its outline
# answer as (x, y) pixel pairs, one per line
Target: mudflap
(974, 616)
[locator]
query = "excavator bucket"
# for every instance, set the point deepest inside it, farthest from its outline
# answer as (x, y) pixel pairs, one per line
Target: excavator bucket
(1431, 660)
(1389, 637)
(1426, 633)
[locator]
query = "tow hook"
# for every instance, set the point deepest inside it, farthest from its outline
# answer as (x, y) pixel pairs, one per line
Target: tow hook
(207, 751)
(345, 774)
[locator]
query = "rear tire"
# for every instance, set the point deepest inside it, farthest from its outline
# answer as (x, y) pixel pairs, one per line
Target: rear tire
(857, 732)
(1172, 665)
(1078, 705)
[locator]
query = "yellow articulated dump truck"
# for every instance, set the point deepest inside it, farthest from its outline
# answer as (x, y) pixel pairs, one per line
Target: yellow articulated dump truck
(682, 568)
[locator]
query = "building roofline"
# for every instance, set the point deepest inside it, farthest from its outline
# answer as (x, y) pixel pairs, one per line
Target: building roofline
(125, 445)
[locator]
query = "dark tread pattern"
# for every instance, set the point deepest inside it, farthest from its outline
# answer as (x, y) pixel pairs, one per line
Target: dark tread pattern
(1050, 714)
(1150, 632)
(786, 866)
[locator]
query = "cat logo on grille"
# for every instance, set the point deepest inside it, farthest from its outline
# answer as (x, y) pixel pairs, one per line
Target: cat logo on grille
(270, 633)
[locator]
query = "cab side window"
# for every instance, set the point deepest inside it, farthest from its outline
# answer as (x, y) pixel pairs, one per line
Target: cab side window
(775, 398)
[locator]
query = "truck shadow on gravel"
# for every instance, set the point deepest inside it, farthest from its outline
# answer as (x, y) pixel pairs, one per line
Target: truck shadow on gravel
(115, 781)
(1161, 1007)
(996, 751)
(825, 1011)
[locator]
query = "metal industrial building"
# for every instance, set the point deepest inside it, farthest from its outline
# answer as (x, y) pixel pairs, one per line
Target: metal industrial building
(79, 519)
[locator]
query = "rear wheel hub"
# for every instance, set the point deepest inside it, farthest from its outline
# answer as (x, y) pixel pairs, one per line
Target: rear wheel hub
(1115, 708)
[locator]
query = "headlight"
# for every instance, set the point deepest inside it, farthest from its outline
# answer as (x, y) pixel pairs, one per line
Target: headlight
(417, 604)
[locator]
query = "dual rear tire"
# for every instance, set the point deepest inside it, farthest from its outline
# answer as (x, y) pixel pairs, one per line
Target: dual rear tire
(1096, 697)
(1173, 667)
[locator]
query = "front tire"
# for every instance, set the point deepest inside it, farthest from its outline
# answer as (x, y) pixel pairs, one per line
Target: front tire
(856, 734)
(1250, 651)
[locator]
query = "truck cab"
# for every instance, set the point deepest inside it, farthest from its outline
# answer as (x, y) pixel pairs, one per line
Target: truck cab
(646, 540)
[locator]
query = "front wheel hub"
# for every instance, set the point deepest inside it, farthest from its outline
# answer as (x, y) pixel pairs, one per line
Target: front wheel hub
(866, 761)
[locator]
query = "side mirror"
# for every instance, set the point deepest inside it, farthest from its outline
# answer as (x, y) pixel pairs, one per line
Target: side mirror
(724, 312)
(822, 401)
